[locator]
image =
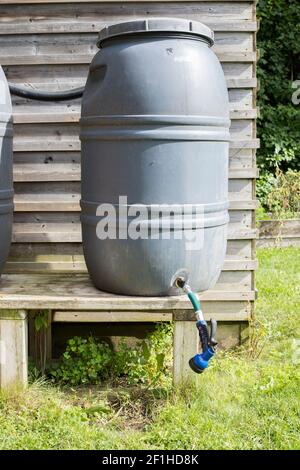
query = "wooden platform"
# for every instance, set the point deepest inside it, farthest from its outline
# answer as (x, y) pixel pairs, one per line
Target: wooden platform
(76, 292)
(73, 298)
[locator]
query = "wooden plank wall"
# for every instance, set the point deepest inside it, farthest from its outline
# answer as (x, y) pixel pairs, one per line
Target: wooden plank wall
(48, 44)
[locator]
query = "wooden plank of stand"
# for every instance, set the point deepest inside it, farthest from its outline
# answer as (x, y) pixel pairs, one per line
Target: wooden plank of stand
(185, 346)
(76, 292)
(145, 316)
(111, 317)
(13, 349)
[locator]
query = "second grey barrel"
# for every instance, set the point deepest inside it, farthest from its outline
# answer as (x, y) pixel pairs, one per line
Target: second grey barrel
(6, 178)
(154, 131)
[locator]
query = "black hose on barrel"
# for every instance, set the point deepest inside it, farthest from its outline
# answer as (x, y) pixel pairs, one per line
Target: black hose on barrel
(46, 95)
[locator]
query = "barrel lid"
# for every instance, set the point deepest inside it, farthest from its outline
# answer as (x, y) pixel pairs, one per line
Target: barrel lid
(149, 25)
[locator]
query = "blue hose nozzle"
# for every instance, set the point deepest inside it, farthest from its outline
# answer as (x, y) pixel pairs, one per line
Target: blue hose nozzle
(200, 362)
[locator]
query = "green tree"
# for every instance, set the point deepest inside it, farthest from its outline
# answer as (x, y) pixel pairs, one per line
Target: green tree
(278, 68)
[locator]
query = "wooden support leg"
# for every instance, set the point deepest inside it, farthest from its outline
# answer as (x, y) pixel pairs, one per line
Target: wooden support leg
(13, 349)
(185, 346)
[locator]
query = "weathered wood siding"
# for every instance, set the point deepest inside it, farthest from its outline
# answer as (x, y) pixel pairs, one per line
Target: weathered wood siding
(48, 44)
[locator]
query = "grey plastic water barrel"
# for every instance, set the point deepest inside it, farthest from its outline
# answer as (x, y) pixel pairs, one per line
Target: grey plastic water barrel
(154, 130)
(6, 178)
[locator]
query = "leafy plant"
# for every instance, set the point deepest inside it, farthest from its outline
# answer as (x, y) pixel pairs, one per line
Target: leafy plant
(149, 362)
(280, 194)
(278, 67)
(41, 320)
(264, 185)
(85, 361)
(278, 129)
(89, 361)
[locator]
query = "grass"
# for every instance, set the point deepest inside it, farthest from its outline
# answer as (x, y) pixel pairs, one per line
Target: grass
(248, 399)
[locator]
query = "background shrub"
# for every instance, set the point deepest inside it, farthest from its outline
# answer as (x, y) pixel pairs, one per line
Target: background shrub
(280, 194)
(279, 121)
(278, 67)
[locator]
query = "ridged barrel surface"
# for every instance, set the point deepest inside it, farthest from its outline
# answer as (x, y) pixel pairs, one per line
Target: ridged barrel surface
(154, 131)
(6, 179)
